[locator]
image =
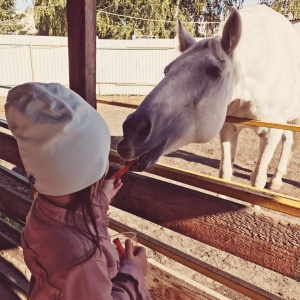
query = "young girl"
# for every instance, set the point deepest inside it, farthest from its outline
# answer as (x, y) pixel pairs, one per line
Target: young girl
(64, 145)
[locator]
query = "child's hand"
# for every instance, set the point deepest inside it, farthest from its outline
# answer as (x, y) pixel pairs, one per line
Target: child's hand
(137, 254)
(111, 187)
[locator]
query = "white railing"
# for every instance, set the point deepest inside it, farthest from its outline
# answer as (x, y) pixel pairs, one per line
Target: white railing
(123, 66)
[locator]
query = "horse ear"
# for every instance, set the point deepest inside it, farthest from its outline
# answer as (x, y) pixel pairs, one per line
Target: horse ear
(185, 38)
(231, 32)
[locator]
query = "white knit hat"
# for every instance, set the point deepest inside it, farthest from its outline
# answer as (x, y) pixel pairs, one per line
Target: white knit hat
(63, 141)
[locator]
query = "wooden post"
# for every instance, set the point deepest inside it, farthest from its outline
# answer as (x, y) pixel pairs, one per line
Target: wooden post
(81, 15)
(32, 62)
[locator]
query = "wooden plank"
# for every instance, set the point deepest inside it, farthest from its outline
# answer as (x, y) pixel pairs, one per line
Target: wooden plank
(117, 103)
(262, 197)
(81, 15)
(4, 267)
(14, 203)
(160, 280)
(208, 270)
(228, 226)
(164, 283)
(243, 121)
(9, 150)
(262, 123)
(15, 176)
(174, 254)
(11, 254)
(286, 204)
(7, 294)
(3, 124)
(186, 222)
(11, 231)
(15, 283)
(13, 271)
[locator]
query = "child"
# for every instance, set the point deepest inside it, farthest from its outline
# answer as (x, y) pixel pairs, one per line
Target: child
(64, 145)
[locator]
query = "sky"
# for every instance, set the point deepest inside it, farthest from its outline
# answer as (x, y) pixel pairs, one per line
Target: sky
(250, 2)
(23, 4)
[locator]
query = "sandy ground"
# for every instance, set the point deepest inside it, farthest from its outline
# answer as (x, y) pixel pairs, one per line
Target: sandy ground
(205, 159)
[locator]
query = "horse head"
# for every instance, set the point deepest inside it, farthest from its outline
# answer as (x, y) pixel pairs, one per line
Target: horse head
(189, 104)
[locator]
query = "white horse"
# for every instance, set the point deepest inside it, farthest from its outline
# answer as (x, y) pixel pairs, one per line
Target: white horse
(250, 70)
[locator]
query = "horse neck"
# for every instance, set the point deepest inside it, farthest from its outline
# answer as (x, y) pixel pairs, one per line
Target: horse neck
(237, 84)
(239, 89)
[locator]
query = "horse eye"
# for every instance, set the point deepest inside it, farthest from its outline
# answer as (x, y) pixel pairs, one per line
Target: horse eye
(213, 72)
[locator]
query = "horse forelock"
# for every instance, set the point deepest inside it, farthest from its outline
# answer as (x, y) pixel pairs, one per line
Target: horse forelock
(214, 46)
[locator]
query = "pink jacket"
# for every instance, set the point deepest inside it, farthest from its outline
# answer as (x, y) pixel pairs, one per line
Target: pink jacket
(56, 256)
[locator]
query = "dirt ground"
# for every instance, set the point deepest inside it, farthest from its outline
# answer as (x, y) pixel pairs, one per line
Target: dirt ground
(205, 159)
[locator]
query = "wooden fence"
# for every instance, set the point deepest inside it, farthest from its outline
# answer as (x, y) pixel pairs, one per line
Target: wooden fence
(226, 225)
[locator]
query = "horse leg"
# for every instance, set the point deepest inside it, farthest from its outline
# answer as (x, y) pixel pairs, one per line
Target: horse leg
(228, 137)
(289, 143)
(268, 143)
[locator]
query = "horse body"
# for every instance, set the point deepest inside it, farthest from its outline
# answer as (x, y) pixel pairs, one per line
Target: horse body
(268, 58)
(267, 88)
(250, 70)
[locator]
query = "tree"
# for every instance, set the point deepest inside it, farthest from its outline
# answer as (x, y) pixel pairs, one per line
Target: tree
(9, 19)
(50, 17)
(289, 8)
(217, 11)
(124, 18)
(121, 19)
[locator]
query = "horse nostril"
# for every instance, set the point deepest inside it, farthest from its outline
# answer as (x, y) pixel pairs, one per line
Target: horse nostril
(143, 128)
(137, 125)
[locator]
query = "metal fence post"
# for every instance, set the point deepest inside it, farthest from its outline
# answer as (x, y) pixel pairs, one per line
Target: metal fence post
(32, 62)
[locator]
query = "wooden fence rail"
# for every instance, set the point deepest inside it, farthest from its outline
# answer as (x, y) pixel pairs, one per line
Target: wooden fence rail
(286, 204)
(17, 205)
(257, 237)
(23, 204)
(196, 207)
(244, 121)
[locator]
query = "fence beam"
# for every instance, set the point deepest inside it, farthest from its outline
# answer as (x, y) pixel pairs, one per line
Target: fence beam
(257, 236)
(81, 15)
(9, 150)
(15, 204)
(275, 201)
(243, 121)
(222, 224)
(197, 265)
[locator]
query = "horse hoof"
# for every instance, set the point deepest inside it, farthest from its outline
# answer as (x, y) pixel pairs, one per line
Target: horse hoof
(275, 186)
